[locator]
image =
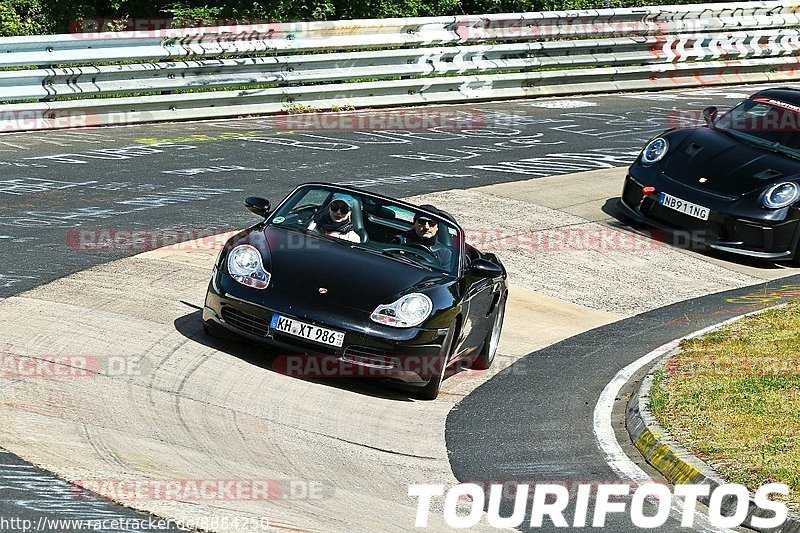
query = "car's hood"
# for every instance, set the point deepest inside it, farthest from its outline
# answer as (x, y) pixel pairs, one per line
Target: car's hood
(730, 167)
(318, 273)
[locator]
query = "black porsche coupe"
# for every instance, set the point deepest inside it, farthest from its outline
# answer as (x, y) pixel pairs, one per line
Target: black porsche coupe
(731, 184)
(337, 272)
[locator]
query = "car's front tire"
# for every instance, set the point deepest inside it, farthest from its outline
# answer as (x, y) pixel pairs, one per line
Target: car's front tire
(489, 348)
(431, 390)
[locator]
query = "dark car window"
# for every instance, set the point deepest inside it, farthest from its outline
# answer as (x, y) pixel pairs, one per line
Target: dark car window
(312, 198)
(386, 224)
(765, 122)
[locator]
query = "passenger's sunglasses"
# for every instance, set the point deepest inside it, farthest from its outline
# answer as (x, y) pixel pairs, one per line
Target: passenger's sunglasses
(340, 207)
(426, 222)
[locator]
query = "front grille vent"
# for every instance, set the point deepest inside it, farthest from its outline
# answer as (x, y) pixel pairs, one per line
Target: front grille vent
(245, 321)
(371, 356)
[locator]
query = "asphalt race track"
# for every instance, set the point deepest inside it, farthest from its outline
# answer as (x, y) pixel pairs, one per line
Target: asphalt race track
(532, 421)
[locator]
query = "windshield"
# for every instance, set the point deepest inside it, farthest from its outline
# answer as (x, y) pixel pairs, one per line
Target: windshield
(765, 122)
(373, 225)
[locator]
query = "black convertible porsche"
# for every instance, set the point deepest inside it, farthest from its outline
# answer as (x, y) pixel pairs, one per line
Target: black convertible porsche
(371, 281)
(731, 184)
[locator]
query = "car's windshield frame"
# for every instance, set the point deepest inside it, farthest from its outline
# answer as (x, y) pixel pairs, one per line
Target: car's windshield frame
(457, 239)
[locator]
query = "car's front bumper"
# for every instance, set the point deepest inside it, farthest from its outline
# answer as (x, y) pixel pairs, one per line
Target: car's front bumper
(773, 241)
(410, 355)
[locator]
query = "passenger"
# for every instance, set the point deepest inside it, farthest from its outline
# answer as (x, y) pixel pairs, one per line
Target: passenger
(336, 221)
(424, 234)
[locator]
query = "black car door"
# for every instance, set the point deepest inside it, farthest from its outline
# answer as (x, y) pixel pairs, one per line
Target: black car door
(480, 295)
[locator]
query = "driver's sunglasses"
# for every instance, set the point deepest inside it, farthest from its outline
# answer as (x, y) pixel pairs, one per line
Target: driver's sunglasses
(425, 222)
(340, 207)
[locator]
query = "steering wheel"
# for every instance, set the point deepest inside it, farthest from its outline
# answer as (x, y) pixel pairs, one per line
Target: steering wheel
(421, 246)
(303, 212)
(424, 256)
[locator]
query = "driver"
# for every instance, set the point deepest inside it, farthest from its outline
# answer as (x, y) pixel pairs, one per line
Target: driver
(424, 234)
(336, 221)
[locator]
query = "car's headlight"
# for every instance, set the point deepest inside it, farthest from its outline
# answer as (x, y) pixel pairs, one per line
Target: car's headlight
(781, 195)
(409, 311)
(246, 267)
(655, 150)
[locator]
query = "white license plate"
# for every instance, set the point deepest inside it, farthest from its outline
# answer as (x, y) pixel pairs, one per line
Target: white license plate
(687, 208)
(309, 332)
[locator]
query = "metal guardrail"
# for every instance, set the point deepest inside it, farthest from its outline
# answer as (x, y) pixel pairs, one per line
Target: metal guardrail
(129, 77)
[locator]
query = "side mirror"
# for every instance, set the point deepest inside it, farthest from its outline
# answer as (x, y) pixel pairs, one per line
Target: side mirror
(710, 115)
(485, 269)
(257, 206)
